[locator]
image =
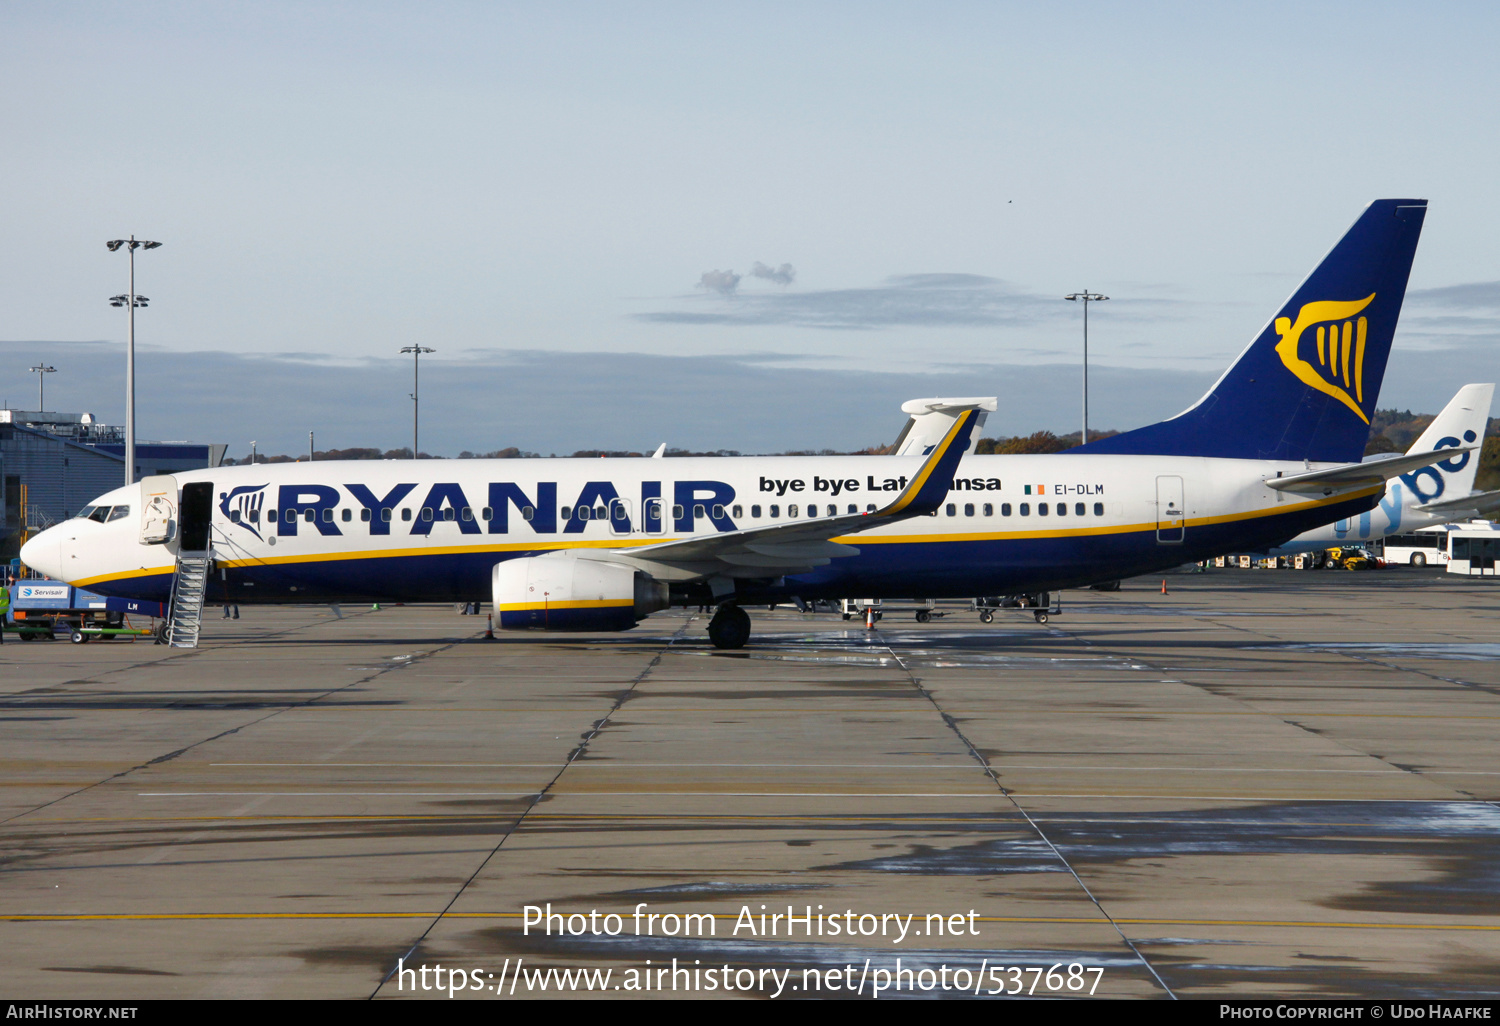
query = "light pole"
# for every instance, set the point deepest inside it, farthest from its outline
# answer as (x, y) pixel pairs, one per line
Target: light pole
(416, 356)
(252, 452)
(131, 301)
(1087, 297)
(41, 371)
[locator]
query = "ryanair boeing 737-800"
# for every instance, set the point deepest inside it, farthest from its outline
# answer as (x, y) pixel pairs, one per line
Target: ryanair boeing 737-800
(1272, 450)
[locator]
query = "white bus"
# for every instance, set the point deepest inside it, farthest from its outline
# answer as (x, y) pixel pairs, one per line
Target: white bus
(1473, 551)
(1420, 548)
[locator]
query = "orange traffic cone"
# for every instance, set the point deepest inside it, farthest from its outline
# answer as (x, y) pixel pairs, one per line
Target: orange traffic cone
(1163, 585)
(489, 627)
(869, 618)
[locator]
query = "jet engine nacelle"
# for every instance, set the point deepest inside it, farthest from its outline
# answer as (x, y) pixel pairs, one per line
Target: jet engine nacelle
(561, 592)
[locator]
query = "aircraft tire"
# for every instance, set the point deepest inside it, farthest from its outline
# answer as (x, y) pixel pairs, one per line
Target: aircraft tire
(730, 627)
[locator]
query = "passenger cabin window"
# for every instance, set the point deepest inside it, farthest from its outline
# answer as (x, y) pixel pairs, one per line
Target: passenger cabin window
(427, 514)
(365, 515)
(853, 508)
(1078, 509)
(737, 512)
(327, 515)
(385, 514)
(1005, 509)
(528, 512)
(405, 512)
(254, 515)
(754, 512)
(270, 516)
(699, 512)
(448, 513)
(676, 512)
(311, 515)
(791, 510)
(870, 508)
(1041, 509)
(775, 511)
(1062, 509)
(968, 509)
(1025, 509)
(989, 509)
(718, 512)
(1098, 509)
(234, 516)
(952, 510)
(567, 512)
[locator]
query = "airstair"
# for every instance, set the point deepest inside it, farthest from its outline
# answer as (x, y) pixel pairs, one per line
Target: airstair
(188, 588)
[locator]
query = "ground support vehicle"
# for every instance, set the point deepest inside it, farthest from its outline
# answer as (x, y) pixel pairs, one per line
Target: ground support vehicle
(1042, 606)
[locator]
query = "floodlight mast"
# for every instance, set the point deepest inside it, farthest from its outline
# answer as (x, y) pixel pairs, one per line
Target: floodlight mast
(41, 371)
(1086, 297)
(416, 356)
(130, 300)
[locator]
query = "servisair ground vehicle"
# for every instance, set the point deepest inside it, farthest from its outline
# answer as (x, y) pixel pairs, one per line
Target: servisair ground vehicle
(1272, 450)
(1429, 496)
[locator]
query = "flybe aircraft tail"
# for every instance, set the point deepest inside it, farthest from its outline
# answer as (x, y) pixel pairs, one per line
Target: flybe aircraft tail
(1459, 426)
(1308, 384)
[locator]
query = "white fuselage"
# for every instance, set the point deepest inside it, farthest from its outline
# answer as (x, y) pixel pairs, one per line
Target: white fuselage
(433, 529)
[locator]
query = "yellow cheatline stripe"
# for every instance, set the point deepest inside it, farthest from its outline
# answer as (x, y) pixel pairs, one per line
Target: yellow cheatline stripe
(728, 916)
(1117, 529)
(851, 539)
(512, 607)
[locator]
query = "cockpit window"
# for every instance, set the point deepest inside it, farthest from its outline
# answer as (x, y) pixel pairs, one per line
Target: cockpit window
(119, 513)
(84, 513)
(99, 513)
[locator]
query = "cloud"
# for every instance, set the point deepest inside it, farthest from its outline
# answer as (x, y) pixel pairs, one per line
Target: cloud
(783, 275)
(561, 402)
(1471, 295)
(1466, 315)
(722, 282)
(912, 299)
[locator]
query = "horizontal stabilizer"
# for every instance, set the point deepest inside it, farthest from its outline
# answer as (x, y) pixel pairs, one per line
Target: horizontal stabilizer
(1353, 475)
(931, 419)
(1479, 503)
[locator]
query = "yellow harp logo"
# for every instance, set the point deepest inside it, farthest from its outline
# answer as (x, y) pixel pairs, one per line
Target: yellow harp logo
(1341, 349)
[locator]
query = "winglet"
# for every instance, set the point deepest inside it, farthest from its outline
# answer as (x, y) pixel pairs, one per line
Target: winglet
(930, 486)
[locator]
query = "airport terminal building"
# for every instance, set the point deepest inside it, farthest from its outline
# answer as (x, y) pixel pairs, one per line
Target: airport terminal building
(52, 464)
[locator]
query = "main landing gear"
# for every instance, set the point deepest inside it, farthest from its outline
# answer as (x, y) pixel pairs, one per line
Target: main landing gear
(730, 627)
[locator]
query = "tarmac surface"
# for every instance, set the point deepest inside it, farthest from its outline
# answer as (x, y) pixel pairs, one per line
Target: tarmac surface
(1265, 783)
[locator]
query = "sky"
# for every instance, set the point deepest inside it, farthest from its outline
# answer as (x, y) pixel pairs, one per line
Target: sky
(758, 227)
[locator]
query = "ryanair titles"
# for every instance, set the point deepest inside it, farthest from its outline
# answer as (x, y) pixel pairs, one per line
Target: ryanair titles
(415, 509)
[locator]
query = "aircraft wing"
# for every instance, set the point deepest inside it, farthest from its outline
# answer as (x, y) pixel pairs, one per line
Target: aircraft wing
(1352, 475)
(1478, 503)
(800, 545)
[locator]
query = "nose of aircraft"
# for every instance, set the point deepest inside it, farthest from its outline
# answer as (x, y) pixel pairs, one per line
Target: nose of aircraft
(44, 553)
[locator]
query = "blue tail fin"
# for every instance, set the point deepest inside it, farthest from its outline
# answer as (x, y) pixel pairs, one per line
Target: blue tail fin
(1306, 387)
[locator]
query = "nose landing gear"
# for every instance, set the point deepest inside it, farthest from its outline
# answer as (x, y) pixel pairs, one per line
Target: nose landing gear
(729, 628)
